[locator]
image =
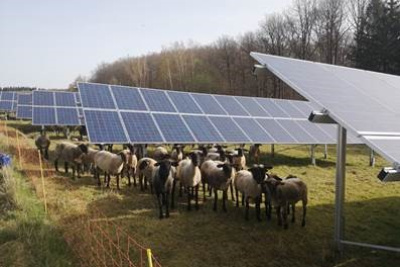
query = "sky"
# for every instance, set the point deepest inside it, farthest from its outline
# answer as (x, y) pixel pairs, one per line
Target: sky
(48, 43)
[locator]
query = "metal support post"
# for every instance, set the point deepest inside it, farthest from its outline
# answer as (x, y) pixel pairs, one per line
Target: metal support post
(313, 160)
(372, 158)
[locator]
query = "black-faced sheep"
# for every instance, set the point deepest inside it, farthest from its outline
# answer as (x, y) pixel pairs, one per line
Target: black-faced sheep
(163, 183)
(219, 176)
(254, 152)
(285, 193)
(110, 164)
(70, 153)
(190, 177)
(88, 159)
(239, 159)
(131, 164)
(160, 153)
(42, 143)
(145, 168)
(177, 153)
(249, 183)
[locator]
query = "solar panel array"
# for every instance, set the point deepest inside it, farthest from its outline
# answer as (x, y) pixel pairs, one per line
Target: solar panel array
(365, 103)
(24, 106)
(54, 108)
(8, 101)
(119, 114)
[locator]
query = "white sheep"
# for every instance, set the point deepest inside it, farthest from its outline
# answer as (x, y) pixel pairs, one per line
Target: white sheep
(160, 153)
(145, 168)
(110, 164)
(70, 153)
(219, 176)
(190, 177)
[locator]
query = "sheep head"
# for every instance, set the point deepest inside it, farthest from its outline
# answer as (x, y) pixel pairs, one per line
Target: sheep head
(165, 168)
(227, 169)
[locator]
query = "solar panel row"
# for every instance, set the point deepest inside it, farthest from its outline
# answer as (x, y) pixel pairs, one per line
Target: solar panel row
(8, 101)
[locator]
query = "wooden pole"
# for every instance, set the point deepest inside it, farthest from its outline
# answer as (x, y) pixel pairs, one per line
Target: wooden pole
(19, 149)
(42, 177)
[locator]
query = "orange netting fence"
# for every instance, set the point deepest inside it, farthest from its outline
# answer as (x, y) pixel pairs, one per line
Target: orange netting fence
(94, 238)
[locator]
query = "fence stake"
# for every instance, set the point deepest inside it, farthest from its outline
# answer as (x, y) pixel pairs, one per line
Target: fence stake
(42, 177)
(6, 130)
(19, 150)
(149, 257)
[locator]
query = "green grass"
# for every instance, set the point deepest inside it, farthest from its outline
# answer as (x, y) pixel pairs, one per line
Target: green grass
(207, 238)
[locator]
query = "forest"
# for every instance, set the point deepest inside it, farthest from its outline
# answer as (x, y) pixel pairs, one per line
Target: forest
(358, 33)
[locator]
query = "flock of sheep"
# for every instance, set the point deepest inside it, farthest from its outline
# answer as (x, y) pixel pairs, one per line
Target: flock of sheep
(215, 168)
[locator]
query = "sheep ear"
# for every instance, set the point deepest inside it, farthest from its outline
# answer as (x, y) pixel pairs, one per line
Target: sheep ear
(220, 165)
(157, 164)
(175, 163)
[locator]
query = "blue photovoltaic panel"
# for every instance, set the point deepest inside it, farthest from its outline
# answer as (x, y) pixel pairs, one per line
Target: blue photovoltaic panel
(43, 98)
(65, 99)
(208, 104)
(67, 116)
(252, 107)
(24, 112)
(304, 107)
(25, 99)
(289, 108)
(43, 116)
(253, 130)
(157, 100)
(202, 129)
(231, 105)
(7, 96)
(104, 127)
(184, 102)
(141, 127)
(96, 96)
(173, 128)
(229, 130)
(316, 132)
(276, 131)
(6, 105)
(272, 108)
(77, 98)
(128, 98)
(295, 130)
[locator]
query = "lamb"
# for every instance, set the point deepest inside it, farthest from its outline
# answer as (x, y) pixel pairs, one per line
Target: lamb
(70, 153)
(285, 193)
(163, 182)
(145, 168)
(254, 152)
(177, 153)
(160, 153)
(249, 183)
(189, 175)
(42, 143)
(219, 176)
(111, 164)
(131, 164)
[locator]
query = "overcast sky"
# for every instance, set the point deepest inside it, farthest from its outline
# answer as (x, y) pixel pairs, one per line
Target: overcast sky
(48, 43)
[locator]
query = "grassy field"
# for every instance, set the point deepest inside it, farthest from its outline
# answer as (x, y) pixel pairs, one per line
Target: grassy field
(207, 238)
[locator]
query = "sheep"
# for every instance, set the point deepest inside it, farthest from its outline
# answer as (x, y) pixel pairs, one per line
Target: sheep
(160, 153)
(219, 176)
(219, 154)
(177, 153)
(249, 183)
(254, 152)
(70, 153)
(145, 168)
(189, 175)
(88, 159)
(163, 183)
(239, 160)
(42, 143)
(284, 193)
(110, 164)
(131, 164)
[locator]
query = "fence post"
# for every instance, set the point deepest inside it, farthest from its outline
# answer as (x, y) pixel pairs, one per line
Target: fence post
(19, 150)
(149, 257)
(42, 177)
(6, 130)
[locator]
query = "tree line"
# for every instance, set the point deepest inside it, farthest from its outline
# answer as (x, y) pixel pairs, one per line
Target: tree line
(357, 33)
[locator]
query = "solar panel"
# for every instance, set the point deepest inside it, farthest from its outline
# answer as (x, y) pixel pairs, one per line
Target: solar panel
(67, 116)
(7, 95)
(173, 128)
(297, 131)
(65, 99)
(128, 98)
(43, 116)
(6, 105)
(43, 98)
(141, 127)
(276, 131)
(24, 99)
(96, 96)
(289, 108)
(231, 106)
(273, 109)
(157, 100)
(252, 106)
(208, 104)
(229, 130)
(104, 127)
(316, 132)
(202, 129)
(184, 102)
(24, 112)
(253, 130)
(303, 107)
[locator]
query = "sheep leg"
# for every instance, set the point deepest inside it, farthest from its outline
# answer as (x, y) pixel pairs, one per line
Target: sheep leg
(173, 194)
(231, 188)
(78, 169)
(288, 209)
(224, 198)
(242, 199)
(105, 177)
(268, 207)
(66, 167)
(46, 154)
(56, 165)
(237, 197)
(209, 190)
(141, 182)
(97, 173)
(215, 199)
(145, 182)
(278, 215)
(159, 206)
(303, 222)
(188, 198)
(204, 192)
(129, 177)
(73, 172)
(108, 179)
(258, 208)
(293, 210)
(285, 223)
(197, 197)
(134, 176)
(167, 205)
(247, 209)
(117, 176)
